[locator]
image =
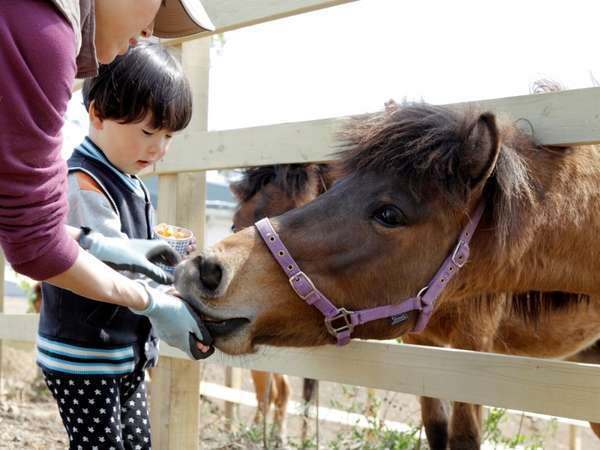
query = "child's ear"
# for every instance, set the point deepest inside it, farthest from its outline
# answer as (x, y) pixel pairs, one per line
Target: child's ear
(95, 121)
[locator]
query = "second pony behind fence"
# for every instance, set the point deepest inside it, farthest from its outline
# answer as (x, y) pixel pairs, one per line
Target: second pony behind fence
(266, 192)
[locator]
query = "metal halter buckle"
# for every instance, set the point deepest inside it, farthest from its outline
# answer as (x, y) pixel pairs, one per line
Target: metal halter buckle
(454, 258)
(297, 278)
(347, 325)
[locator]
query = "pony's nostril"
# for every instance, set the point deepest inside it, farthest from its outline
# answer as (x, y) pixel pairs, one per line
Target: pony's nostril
(210, 274)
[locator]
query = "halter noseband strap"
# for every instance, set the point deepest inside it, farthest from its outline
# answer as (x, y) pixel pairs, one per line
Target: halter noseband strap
(340, 322)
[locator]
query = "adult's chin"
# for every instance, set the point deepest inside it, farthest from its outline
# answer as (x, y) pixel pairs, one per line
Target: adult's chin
(106, 56)
(107, 49)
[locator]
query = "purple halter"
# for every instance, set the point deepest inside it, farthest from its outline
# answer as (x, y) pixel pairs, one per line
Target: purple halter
(340, 322)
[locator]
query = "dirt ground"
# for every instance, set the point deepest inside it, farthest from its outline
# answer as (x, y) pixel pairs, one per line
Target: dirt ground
(29, 417)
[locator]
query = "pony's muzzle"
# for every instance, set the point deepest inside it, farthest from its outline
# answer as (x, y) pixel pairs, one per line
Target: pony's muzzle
(210, 274)
(202, 275)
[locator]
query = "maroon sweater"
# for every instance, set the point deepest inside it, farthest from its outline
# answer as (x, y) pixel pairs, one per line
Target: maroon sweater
(37, 63)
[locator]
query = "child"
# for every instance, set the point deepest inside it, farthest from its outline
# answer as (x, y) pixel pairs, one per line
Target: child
(93, 354)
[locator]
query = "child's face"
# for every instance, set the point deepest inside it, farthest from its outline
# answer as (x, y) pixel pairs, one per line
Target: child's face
(132, 146)
(121, 22)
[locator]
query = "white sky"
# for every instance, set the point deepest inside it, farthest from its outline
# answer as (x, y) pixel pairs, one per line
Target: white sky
(352, 58)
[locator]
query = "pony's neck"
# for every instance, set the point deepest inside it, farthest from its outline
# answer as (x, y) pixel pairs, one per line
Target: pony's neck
(553, 244)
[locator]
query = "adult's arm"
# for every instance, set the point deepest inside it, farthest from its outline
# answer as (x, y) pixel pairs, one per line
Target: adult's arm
(93, 279)
(37, 56)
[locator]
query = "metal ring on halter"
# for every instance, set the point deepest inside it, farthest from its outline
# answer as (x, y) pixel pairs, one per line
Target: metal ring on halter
(422, 293)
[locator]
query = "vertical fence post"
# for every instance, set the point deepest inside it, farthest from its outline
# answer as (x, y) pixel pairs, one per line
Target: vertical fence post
(233, 379)
(181, 200)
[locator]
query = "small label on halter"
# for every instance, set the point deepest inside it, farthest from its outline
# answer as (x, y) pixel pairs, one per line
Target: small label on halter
(399, 318)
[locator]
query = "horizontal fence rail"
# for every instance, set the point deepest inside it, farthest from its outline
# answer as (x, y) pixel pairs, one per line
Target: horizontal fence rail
(561, 118)
(543, 386)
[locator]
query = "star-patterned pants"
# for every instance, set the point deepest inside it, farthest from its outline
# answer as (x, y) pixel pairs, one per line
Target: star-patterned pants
(102, 412)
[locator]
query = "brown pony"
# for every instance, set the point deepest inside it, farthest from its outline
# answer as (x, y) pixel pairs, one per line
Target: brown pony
(529, 324)
(265, 192)
(411, 178)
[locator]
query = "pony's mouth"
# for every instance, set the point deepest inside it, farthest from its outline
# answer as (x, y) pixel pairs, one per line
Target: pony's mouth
(217, 326)
(223, 328)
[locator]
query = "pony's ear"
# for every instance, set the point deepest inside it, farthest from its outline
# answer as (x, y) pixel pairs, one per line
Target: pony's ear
(482, 147)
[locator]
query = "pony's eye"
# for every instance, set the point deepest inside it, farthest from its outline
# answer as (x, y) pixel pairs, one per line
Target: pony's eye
(389, 216)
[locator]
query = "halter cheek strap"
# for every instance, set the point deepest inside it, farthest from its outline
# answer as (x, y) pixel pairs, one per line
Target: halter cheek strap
(340, 322)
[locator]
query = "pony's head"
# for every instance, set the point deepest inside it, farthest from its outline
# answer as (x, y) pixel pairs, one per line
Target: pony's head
(410, 178)
(270, 191)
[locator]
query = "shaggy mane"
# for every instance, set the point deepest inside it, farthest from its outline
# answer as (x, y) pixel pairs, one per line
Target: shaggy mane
(425, 145)
(530, 307)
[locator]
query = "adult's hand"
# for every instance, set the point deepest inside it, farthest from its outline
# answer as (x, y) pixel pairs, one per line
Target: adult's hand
(135, 255)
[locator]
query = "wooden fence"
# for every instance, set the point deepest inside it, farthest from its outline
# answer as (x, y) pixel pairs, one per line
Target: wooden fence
(550, 387)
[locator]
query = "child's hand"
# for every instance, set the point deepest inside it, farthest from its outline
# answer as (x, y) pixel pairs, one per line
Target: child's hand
(192, 247)
(136, 255)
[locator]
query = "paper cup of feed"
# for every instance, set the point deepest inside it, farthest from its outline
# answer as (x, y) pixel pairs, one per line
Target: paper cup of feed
(177, 237)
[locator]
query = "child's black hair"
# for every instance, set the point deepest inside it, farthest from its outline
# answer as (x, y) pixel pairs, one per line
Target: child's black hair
(147, 79)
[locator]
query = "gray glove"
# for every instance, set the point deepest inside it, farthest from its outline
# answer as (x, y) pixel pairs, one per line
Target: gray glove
(135, 255)
(175, 322)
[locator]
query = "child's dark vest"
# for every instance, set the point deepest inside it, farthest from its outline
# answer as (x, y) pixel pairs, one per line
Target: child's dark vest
(76, 320)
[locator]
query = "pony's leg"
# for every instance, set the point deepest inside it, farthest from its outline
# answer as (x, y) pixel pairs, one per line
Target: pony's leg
(433, 410)
(590, 355)
(281, 402)
(475, 330)
(309, 388)
(264, 388)
(595, 428)
(465, 427)
(435, 420)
